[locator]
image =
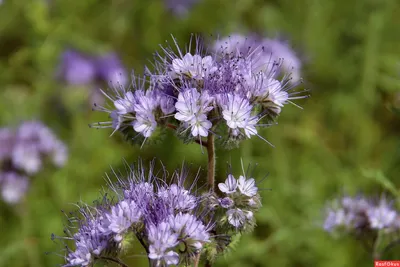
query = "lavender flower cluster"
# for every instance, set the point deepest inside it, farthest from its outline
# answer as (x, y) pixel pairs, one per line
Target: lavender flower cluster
(241, 200)
(273, 50)
(374, 223)
(180, 7)
(228, 92)
(225, 92)
(173, 223)
(357, 214)
(23, 152)
(76, 68)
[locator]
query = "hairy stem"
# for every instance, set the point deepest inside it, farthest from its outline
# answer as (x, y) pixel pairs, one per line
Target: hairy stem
(376, 247)
(119, 262)
(210, 179)
(196, 260)
(211, 162)
(390, 246)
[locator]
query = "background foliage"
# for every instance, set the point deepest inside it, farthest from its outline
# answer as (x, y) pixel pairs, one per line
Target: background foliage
(346, 139)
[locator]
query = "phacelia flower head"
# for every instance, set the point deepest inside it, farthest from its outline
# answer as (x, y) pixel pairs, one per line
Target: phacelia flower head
(34, 142)
(76, 68)
(199, 92)
(180, 7)
(275, 55)
(109, 68)
(366, 219)
(23, 151)
(13, 187)
(357, 214)
(164, 217)
(90, 241)
(382, 215)
(241, 200)
(162, 242)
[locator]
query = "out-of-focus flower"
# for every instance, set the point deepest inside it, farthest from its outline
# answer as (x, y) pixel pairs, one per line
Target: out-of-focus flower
(34, 142)
(382, 215)
(13, 186)
(274, 53)
(76, 68)
(79, 69)
(110, 69)
(180, 7)
(360, 214)
(281, 51)
(23, 152)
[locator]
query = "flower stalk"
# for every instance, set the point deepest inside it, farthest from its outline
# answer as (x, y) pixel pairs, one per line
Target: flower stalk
(211, 162)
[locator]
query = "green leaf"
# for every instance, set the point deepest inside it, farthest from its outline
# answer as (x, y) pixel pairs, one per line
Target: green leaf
(385, 182)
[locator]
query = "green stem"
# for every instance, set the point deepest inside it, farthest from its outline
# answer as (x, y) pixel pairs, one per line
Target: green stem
(31, 245)
(375, 253)
(210, 180)
(145, 248)
(211, 162)
(120, 263)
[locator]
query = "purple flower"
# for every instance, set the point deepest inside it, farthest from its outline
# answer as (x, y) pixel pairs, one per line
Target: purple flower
(192, 108)
(76, 68)
(357, 213)
(162, 240)
(178, 197)
(125, 104)
(110, 69)
(226, 202)
(193, 66)
(382, 216)
(13, 187)
(237, 113)
(275, 55)
(196, 93)
(247, 186)
(33, 142)
(241, 200)
(180, 7)
(281, 50)
(90, 241)
(122, 216)
(229, 186)
(236, 217)
(191, 231)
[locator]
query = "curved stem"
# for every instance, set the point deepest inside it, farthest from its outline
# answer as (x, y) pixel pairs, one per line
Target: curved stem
(376, 253)
(211, 162)
(145, 247)
(390, 246)
(120, 263)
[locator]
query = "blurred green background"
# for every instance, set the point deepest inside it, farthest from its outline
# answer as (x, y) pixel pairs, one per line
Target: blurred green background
(346, 139)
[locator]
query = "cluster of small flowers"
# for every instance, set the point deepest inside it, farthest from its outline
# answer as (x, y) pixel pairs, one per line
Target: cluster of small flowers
(241, 200)
(228, 93)
(359, 214)
(77, 68)
(22, 152)
(165, 218)
(172, 222)
(180, 7)
(274, 50)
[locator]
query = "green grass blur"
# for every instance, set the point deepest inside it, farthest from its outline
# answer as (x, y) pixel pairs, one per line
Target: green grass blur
(344, 140)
